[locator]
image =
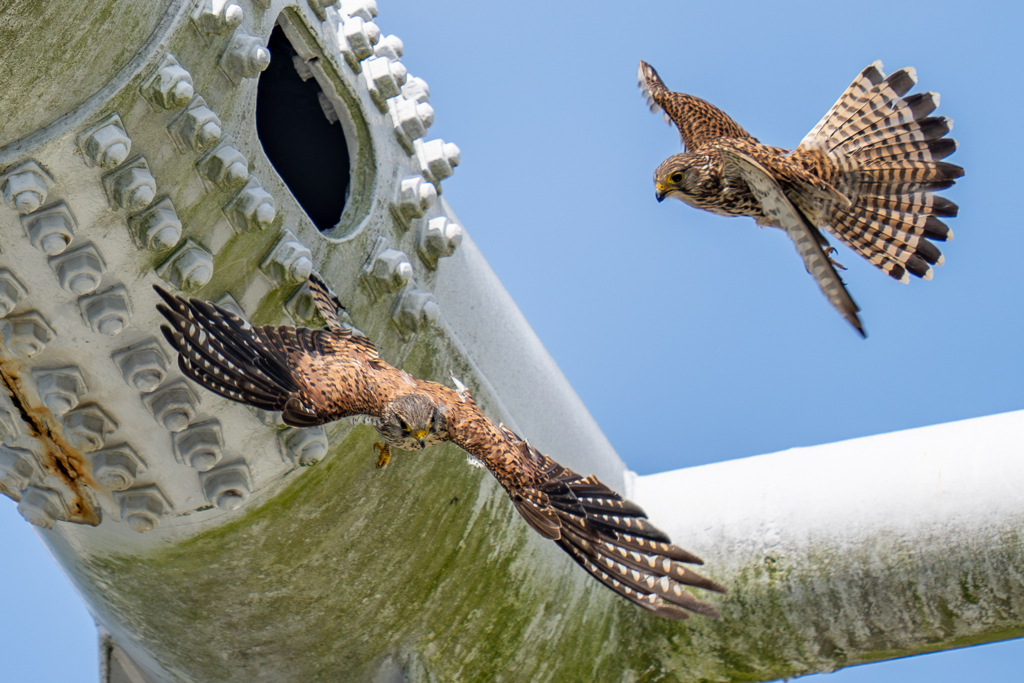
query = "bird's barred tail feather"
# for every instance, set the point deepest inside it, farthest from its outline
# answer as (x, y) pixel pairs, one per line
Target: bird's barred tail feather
(889, 152)
(230, 357)
(611, 538)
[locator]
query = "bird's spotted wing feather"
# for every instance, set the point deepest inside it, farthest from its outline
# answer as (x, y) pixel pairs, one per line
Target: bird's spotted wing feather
(699, 122)
(780, 211)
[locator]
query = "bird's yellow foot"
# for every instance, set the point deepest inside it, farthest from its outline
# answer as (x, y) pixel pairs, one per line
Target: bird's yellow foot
(385, 455)
(828, 254)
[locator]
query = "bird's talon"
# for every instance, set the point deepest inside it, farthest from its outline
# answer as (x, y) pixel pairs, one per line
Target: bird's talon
(385, 455)
(828, 254)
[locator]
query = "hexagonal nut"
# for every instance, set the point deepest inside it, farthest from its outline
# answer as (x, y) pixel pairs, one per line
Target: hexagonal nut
(87, 428)
(410, 120)
(9, 421)
(217, 16)
(391, 270)
(415, 311)
(143, 366)
(384, 79)
(132, 186)
(440, 238)
(117, 467)
(60, 389)
(25, 187)
(142, 508)
(438, 159)
(364, 9)
(12, 291)
(227, 486)
(198, 127)
(27, 334)
(415, 197)
(170, 86)
(189, 268)
(18, 468)
(356, 38)
(173, 406)
(42, 506)
(245, 56)
(108, 312)
(391, 47)
(158, 227)
(200, 446)
(289, 261)
(416, 89)
(252, 208)
(79, 271)
(106, 145)
(50, 230)
(225, 166)
(306, 446)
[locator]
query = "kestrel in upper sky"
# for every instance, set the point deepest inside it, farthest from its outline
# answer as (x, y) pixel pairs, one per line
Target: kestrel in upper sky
(317, 376)
(867, 174)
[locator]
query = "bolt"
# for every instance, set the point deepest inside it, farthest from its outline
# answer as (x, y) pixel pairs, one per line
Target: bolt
(50, 230)
(109, 312)
(143, 366)
(189, 268)
(42, 506)
(225, 166)
(8, 420)
(384, 79)
(25, 187)
(410, 120)
(60, 389)
(252, 207)
(199, 446)
(440, 238)
(356, 38)
(27, 334)
(416, 88)
(116, 468)
(174, 406)
(11, 291)
(198, 127)
(305, 446)
(158, 227)
(170, 87)
(245, 56)
(437, 159)
(79, 271)
(228, 486)
(17, 468)
(415, 310)
(289, 260)
(391, 270)
(415, 196)
(142, 508)
(87, 428)
(108, 145)
(217, 16)
(132, 186)
(364, 9)
(390, 47)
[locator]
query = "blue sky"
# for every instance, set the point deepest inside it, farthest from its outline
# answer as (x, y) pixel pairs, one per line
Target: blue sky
(663, 316)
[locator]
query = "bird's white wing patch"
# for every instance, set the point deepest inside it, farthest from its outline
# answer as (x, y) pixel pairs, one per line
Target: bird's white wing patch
(777, 207)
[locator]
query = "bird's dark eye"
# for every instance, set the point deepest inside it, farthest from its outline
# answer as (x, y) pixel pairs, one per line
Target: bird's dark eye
(676, 177)
(404, 425)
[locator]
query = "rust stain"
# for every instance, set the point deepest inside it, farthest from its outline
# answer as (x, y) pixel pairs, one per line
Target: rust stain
(59, 458)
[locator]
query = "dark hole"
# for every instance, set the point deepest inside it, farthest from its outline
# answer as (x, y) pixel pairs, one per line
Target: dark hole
(306, 147)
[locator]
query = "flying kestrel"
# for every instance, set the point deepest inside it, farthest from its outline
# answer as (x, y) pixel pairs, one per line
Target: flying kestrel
(317, 376)
(867, 174)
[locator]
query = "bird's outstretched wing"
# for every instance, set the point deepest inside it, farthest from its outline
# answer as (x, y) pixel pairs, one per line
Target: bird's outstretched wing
(311, 376)
(699, 122)
(780, 211)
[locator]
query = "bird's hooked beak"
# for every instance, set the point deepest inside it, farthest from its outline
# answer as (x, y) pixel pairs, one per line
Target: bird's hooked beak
(421, 437)
(660, 191)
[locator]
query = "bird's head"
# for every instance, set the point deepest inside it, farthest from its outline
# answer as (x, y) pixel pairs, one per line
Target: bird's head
(412, 418)
(678, 176)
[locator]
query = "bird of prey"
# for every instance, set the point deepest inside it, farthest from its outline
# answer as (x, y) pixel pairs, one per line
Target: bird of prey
(314, 376)
(867, 174)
